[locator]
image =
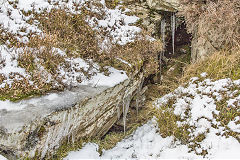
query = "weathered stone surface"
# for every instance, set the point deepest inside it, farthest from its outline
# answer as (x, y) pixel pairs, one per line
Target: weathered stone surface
(91, 116)
(202, 45)
(201, 48)
(164, 5)
(206, 41)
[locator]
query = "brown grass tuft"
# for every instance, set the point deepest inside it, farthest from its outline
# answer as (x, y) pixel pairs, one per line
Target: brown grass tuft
(222, 64)
(218, 21)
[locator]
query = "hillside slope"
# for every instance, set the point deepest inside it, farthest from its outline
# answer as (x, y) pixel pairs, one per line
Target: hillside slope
(200, 119)
(57, 45)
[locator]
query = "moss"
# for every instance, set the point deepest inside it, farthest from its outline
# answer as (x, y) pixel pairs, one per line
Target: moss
(139, 22)
(16, 97)
(22, 92)
(112, 3)
(66, 147)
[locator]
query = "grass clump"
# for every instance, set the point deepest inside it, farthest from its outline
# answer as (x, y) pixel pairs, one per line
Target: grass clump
(71, 31)
(112, 3)
(141, 54)
(67, 147)
(133, 122)
(39, 61)
(226, 115)
(222, 64)
(167, 123)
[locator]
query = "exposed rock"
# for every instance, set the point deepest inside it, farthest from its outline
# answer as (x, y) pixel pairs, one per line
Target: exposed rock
(164, 5)
(205, 42)
(152, 11)
(201, 48)
(91, 116)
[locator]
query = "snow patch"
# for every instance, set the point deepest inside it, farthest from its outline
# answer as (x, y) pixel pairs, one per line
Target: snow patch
(145, 143)
(2, 158)
(196, 105)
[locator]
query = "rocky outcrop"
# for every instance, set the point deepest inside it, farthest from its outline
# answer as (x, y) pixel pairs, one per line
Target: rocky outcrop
(91, 116)
(164, 5)
(201, 48)
(153, 11)
(202, 45)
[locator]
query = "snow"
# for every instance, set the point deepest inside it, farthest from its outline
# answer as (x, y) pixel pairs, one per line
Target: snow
(202, 92)
(202, 106)
(114, 78)
(13, 115)
(202, 126)
(10, 63)
(27, 5)
(114, 21)
(195, 103)
(234, 101)
(97, 78)
(13, 19)
(118, 25)
(89, 151)
(10, 66)
(204, 74)
(220, 147)
(69, 77)
(145, 143)
(2, 158)
(233, 126)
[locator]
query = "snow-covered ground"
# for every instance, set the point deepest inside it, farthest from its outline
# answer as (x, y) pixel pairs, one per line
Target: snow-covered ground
(2, 158)
(12, 18)
(147, 143)
(70, 78)
(115, 21)
(195, 103)
(71, 73)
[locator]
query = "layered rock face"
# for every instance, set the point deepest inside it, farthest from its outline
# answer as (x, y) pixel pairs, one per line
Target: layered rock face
(153, 11)
(40, 134)
(201, 46)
